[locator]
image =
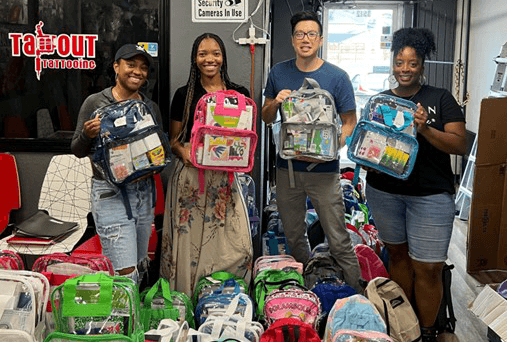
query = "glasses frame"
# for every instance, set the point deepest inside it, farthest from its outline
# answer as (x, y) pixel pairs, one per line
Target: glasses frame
(306, 34)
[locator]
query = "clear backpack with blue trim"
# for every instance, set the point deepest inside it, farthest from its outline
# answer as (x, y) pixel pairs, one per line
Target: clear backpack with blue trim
(131, 144)
(384, 139)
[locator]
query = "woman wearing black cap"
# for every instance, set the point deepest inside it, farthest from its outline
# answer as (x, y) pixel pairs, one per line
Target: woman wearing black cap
(123, 240)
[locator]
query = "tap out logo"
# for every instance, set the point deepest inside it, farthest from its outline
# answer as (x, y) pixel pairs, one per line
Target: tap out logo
(80, 46)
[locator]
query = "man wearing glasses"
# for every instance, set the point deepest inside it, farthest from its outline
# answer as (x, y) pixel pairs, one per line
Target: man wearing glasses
(322, 182)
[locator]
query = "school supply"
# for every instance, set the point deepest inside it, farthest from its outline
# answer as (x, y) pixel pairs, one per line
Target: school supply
(395, 308)
(384, 139)
(10, 260)
(224, 136)
(292, 301)
(311, 127)
(131, 145)
(370, 263)
(207, 284)
(353, 317)
(159, 303)
(269, 280)
(290, 330)
(22, 305)
(97, 307)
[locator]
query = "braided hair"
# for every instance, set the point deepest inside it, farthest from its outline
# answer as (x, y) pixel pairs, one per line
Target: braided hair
(420, 39)
(195, 76)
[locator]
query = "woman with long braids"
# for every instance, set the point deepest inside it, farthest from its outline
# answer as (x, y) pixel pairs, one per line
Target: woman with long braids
(415, 217)
(202, 232)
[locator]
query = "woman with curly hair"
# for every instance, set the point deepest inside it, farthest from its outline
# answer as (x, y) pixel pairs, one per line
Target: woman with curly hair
(202, 233)
(415, 217)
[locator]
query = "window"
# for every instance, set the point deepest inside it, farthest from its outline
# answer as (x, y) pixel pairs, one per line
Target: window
(358, 39)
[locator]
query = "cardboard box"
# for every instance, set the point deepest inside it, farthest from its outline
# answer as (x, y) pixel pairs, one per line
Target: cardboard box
(487, 225)
(492, 136)
(491, 308)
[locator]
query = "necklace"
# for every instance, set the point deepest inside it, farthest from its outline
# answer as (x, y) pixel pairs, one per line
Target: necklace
(117, 97)
(411, 97)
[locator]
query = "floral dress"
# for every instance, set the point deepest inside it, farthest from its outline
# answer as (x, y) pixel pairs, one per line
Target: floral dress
(203, 233)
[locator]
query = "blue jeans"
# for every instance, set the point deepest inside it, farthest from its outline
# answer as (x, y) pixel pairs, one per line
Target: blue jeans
(124, 241)
(423, 222)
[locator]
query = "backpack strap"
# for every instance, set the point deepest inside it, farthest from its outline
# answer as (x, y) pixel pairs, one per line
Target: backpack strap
(202, 183)
(292, 181)
(310, 82)
(355, 180)
(124, 194)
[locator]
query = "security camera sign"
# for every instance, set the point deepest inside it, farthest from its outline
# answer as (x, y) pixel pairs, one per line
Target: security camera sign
(219, 10)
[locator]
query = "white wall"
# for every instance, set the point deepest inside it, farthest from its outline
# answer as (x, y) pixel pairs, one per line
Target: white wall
(488, 32)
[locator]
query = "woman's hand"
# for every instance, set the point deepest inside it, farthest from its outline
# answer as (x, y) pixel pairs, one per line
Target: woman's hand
(421, 118)
(91, 128)
(184, 153)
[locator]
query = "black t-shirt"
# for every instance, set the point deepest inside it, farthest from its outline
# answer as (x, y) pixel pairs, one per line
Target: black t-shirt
(178, 104)
(432, 173)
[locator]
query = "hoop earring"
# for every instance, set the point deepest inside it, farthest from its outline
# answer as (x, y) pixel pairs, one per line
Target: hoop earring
(422, 79)
(115, 76)
(392, 81)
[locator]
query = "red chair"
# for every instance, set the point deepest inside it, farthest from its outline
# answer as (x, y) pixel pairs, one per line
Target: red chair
(93, 246)
(11, 196)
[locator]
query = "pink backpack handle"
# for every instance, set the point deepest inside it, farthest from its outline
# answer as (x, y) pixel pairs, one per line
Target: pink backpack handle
(220, 101)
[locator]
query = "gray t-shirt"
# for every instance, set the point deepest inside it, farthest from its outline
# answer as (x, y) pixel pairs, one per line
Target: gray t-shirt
(81, 145)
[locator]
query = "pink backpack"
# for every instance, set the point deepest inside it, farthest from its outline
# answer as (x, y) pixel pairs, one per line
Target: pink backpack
(224, 136)
(10, 260)
(95, 262)
(370, 263)
(292, 302)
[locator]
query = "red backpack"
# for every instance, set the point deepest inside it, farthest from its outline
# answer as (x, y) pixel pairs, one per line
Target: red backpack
(370, 263)
(290, 330)
(10, 260)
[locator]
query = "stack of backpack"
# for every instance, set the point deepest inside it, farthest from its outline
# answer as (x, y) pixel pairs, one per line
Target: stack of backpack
(289, 311)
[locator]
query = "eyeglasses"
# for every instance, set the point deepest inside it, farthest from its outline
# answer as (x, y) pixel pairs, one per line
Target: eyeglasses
(312, 35)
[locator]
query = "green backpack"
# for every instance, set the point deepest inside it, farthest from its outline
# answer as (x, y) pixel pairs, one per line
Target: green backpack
(96, 307)
(159, 302)
(269, 280)
(209, 283)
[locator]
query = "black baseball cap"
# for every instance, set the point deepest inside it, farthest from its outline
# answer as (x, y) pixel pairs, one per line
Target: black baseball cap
(128, 51)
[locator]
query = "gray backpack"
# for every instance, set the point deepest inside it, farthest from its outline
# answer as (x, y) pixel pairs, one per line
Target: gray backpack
(311, 126)
(321, 266)
(396, 310)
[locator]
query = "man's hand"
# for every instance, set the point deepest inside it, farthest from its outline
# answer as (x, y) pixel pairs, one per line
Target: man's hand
(271, 105)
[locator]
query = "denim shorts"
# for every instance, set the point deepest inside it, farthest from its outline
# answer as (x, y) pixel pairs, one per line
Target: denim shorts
(123, 241)
(424, 222)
